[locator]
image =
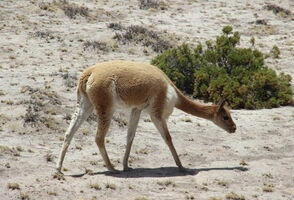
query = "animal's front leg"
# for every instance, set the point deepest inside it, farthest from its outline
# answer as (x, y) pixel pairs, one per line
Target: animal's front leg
(162, 128)
(133, 123)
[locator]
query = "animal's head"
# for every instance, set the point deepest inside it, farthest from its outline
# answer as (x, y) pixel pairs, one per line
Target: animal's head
(222, 117)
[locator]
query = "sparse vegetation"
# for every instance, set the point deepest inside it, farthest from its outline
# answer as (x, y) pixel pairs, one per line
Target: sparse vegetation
(116, 26)
(140, 35)
(110, 186)
(223, 69)
(166, 183)
(89, 171)
(154, 4)
(3, 119)
(214, 198)
(278, 10)
(37, 43)
(190, 196)
(95, 186)
(268, 187)
(94, 162)
(96, 45)
(24, 196)
(261, 22)
(234, 196)
(243, 163)
(187, 119)
(47, 35)
(268, 175)
(141, 198)
(7, 150)
(8, 102)
(70, 80)
(142, 151)
(41, 103)
(19, 148)
(13, 186)
(79, 147)
(222, 183)
(58, 176)
(70, 9)
(275, 52)
(120, 121)
(50, 122)
(49, 157)
(52, 193)
(2, 93)
(204, 187)
(31, 116)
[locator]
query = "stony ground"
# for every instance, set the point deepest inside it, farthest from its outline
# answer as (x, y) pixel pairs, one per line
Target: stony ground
(46, 44)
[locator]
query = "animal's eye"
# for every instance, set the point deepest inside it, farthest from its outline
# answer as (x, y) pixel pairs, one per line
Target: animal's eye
(226, 118)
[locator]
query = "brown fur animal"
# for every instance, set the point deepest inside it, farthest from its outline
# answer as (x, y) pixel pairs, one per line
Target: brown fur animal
(138, 86)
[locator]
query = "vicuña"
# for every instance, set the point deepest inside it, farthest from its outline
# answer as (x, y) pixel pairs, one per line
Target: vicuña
(138, 86)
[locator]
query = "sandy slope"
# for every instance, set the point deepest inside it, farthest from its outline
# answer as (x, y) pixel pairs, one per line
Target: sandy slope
(42, 53)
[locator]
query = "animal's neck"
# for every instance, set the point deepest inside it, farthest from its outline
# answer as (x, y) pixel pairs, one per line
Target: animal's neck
(199, 110)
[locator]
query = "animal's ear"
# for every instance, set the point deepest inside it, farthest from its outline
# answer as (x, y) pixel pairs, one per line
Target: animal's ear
(221, 103)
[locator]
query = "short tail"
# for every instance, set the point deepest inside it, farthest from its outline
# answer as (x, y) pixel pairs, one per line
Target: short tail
(82, 84)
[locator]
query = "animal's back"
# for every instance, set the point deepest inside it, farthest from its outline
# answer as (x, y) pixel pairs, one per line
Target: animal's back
(133, 82)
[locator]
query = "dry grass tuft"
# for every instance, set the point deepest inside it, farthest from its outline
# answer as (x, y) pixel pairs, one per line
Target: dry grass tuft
(2, 93)
(234, 196)
(24, 196)
(7, 150)
(268, 187)
(58, 176)
(243, 163)
(49, 157)
(140, 35)
(152, 4)
(95, 186)
(13, 186)
(41, 107)
(111, 186)
(278, 10)
(121, 122)
(96, 45)
(70, 9)
(166, 183)
(3, 119)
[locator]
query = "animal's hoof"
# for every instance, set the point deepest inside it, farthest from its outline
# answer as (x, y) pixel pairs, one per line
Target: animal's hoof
(59, 174)
(127, 169)
(58, 170)
(187, 171)
(114, 171)
(183, 169)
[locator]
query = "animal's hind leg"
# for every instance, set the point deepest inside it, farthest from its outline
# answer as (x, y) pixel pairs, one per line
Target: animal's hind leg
(82, 112)
(104, 118)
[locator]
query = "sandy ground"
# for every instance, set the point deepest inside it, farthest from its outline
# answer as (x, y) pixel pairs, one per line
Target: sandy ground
(42, 53)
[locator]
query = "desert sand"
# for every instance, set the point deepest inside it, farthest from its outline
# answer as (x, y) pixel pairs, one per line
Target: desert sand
(42, 53)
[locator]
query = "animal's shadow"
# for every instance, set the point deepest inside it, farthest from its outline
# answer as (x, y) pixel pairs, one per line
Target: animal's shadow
(161, 172)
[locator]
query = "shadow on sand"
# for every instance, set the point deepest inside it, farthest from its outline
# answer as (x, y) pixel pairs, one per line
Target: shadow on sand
(160, 172)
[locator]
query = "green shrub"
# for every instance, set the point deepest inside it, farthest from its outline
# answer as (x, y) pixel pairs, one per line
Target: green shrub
(223, 69)
(179, 65)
